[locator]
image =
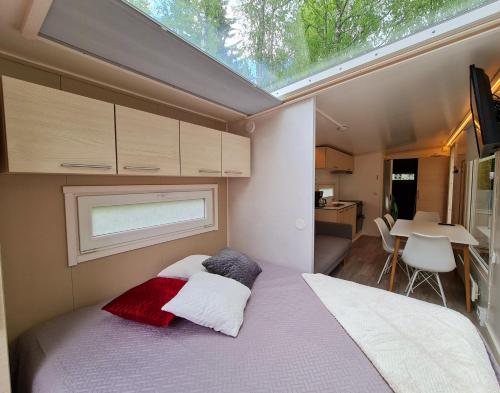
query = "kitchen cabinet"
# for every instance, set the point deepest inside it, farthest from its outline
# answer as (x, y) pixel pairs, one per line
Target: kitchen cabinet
(348, 216)
(52, 131)
(201, 150)
(146, 144)
(345, 215)
(337, 161)
(235, 155)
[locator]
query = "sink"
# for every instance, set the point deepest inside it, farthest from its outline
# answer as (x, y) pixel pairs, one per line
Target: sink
(337, 204)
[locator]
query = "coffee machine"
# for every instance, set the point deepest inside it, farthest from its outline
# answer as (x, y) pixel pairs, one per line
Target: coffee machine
(319, 201)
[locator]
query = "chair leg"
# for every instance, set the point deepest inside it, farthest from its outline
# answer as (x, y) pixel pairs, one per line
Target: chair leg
(410, 285)
(387, 261)
(441, 289)
(407, 270)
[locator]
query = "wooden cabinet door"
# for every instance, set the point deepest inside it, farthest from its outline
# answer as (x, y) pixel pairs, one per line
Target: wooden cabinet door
(320, 157)
(146, 144)
(333, 159)
(351, 218)
(432, 184)
(338, 161)
(348, 162)
(235, 155)
(201, 152)
(52, 131)
(328, 215)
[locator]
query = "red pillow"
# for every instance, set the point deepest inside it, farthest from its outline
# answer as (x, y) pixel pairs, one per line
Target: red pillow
(143, 303)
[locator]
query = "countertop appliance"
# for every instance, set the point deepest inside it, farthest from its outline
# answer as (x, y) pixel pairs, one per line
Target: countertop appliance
(319, 201)
(359, 214)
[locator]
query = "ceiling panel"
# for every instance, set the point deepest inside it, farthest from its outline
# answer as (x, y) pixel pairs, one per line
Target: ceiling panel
(409, 105)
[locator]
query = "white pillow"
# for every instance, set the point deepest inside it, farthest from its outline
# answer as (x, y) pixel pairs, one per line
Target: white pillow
(185, 268)
(213, 301)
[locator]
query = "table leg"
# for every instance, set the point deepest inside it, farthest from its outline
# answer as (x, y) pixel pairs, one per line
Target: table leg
(394, 262)
(467, 277)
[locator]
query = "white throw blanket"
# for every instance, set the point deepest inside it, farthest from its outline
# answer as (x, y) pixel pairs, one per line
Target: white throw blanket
(416, 346)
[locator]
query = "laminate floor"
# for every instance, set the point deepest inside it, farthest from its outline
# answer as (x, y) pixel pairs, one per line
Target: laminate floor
(366, 261)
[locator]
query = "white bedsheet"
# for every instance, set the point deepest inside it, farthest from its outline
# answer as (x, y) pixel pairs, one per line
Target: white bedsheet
(416, 346)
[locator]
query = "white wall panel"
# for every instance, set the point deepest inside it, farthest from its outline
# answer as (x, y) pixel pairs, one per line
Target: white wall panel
(366, 184)
(271, 214)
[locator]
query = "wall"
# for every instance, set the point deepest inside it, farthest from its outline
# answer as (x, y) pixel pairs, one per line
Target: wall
(265, 209)
(38, 282)
(366, 184)
(4, 348)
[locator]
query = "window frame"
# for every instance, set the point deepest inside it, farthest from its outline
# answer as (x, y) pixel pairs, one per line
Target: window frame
(473, 168)
(83, 248)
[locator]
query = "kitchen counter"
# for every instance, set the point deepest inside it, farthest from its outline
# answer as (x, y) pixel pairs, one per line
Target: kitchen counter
(345, 213)
(344, 205)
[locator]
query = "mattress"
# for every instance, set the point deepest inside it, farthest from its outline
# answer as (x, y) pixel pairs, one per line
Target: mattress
(289, 342)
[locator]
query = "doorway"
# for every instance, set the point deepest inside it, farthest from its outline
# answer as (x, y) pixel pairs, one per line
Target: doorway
(404, 188)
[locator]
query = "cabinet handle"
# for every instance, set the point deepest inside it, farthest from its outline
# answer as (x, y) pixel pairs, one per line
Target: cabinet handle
(208, 171)
(234, 172)
(78, 165)
(141, 168)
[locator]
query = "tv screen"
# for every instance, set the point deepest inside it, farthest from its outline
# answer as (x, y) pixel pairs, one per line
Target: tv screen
(485, 112)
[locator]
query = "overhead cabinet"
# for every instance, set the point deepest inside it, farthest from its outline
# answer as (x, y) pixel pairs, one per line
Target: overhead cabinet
(337, 161)
(146, 144)
(52, 131)
(235, 155)
(201, 151)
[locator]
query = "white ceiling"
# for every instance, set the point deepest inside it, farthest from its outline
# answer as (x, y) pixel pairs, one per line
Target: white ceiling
(58, 57)
(410, 105)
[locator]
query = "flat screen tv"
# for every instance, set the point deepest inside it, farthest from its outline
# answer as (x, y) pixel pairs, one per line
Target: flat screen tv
(485, 108)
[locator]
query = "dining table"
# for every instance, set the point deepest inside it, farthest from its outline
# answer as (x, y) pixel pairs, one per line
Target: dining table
(460, 238)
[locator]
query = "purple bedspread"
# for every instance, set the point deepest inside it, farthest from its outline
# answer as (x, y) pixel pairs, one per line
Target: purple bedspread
(289, 342)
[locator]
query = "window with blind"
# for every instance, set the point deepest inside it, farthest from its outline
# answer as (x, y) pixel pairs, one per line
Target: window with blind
(108, 220)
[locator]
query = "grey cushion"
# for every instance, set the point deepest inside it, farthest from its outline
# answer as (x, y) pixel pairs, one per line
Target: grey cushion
(233, 264)
(329, 251)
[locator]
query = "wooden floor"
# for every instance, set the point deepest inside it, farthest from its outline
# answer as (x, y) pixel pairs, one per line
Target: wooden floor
(366, 261)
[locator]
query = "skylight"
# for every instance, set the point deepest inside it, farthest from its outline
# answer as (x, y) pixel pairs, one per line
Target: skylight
(276, 43)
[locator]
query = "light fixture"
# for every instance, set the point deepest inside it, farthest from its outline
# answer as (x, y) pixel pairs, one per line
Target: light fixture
(455, 134)
(250, 126)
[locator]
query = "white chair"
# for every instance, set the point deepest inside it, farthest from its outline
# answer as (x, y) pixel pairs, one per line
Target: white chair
(388, 245)
(429, 255)
(390, 220)
(427, 216)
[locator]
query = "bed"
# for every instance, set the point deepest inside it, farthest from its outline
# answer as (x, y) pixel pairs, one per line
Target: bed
(289, 342)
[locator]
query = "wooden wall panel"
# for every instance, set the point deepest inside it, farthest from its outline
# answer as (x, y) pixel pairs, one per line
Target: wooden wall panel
(432, 185)
(29, 74)
(38, 282)
(4, 348)
(97, 92)
(33, 237)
